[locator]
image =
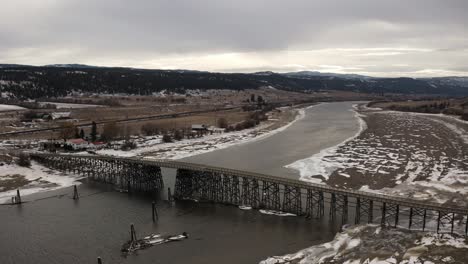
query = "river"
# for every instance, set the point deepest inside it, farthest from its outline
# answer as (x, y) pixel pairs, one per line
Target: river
(323, 126)
(53, 228)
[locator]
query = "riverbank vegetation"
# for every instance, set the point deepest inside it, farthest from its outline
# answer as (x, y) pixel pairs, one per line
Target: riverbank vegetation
(454, 106)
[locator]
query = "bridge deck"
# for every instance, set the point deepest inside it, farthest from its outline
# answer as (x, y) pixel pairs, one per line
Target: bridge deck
(287, 182)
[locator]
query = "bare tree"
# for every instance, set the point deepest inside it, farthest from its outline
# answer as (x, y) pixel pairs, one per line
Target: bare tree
(150, 129)
(67, 130)
(223, 123)
(110, 131)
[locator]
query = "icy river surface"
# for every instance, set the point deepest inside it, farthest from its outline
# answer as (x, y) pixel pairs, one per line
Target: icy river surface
(52, 228)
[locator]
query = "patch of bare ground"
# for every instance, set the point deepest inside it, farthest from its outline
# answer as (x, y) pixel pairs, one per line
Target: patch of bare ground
(412, 155)
(15, 181)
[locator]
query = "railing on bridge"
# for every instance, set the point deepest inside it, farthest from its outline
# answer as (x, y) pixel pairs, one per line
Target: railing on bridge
(234, 187)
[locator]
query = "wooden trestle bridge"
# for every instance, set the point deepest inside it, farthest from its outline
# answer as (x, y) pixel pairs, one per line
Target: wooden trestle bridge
(235, 187)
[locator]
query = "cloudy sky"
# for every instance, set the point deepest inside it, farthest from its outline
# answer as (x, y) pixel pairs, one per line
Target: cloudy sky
(373, 37)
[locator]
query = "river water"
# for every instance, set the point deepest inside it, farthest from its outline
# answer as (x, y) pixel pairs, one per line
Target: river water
(323, 126)
(53, 228)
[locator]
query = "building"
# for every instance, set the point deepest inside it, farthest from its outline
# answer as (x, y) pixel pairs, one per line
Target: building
(79, 144)
(60, 115)
(197, 128)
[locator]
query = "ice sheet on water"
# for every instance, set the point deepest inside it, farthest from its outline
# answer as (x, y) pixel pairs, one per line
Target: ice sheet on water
(277, 213)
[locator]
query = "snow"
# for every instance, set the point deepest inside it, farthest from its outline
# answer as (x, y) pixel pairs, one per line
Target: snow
(416, 164)
(371, 244)
(67, 105)
(35, 173)
(443, 240)
(318, 164)
(319, 253)
(153, 148)
(277, 213)
(4, 107)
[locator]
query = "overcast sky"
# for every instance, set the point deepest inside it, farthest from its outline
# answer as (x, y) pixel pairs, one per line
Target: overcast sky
(373, 37)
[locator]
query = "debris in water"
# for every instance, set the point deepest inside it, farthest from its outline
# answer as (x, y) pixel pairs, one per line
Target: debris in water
(245, 207)
(151, 240)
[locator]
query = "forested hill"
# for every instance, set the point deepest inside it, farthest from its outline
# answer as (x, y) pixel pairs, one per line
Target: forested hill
(31, 82)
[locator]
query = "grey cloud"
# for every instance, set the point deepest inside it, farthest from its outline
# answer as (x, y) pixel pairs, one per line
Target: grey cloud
(121, 30)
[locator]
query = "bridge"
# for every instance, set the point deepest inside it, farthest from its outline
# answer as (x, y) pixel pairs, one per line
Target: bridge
(260, 191)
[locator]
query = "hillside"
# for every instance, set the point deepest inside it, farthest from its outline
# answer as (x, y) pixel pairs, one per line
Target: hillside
(30, 82)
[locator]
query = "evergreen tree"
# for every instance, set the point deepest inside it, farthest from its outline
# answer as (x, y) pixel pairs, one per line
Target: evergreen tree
(93, 132)
(77, 133)
(82, 134)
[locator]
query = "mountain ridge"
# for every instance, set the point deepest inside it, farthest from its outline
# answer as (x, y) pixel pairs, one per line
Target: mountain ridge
(29, 82)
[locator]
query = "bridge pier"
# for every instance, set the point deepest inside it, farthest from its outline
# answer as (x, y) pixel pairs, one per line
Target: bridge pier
(390, 214)
(364, 207)
(250, 192)
(315, 204)
(292, 200)
(417, 218)
(271, 196)
(339, 204)
(445, 219)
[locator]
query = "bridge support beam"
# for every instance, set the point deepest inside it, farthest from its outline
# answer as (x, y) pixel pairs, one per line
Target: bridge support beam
(364, 210)
(390, 214)
(292, 200)
(417, 218)
(445, 219)
(339, 204)
(271, 196)
(315, 206)
(250, 192)
(183, 185)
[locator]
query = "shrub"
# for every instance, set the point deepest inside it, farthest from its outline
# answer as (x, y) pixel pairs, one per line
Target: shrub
(465, 116)
(128, 145)
(29, 115)
(222, 122)
(167, 138)
(23, 160)
(150, 129)
(110, 131)
(249, 123)
(178, 135)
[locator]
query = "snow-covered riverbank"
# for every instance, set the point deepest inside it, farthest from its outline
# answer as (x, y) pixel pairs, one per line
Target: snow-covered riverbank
(154, 148)
(373, 244)
(417, 156)
(33, 179)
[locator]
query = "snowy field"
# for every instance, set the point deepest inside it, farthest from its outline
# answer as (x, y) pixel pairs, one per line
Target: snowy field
(412, 155)
(4, 107)
(154, 148)
(70, 106)
(372, 244)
